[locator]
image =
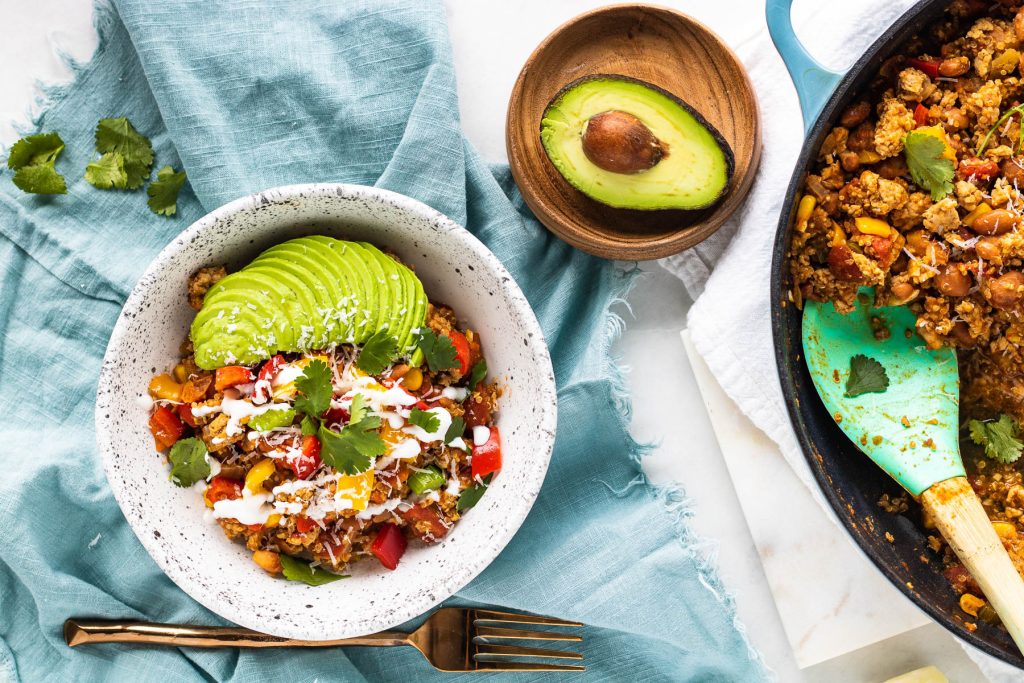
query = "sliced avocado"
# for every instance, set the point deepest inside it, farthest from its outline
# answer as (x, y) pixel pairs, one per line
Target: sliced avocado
(631, 145)
(309, 332)
(350, 283)
(419, 319)
(379, 310)
(395, 285)
(245, 287)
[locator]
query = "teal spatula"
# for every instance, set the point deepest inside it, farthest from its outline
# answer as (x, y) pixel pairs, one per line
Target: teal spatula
(911, 430)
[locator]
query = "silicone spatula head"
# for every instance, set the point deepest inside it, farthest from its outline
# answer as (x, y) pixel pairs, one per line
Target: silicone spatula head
(911, 429)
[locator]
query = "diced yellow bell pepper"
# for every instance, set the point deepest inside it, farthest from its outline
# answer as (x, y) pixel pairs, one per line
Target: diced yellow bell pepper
(979, 211)
(804, 211)
(356, 488)
(838, 236)
(872, 226)
(164, 387)
(259, 473)
(180, 374)
(1005, 529)
(868, 156)
(939, 133)
(273, 520)
(971, 604)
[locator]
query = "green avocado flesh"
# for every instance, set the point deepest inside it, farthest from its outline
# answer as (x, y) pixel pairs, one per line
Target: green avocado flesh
(307, 294)
(693, 173)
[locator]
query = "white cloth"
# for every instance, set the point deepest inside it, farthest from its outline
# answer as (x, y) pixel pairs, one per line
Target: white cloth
(729, 274)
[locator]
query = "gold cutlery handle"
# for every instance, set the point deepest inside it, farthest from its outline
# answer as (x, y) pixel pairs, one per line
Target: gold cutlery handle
(87, 632)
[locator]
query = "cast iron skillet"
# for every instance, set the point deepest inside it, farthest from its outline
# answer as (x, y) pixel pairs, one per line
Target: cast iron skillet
(850, 482)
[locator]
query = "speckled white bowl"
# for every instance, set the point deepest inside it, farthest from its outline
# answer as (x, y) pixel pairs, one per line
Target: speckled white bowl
(455, 268)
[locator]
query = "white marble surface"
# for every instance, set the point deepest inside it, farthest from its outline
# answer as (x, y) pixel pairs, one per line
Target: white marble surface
(491, 39)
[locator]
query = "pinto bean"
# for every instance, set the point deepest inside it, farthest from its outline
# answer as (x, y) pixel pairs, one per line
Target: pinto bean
(1013, 170)
(855, 114)
(849, 161)
(892, 168)
(1007, 290)
(951, 67)
(997, 222)
(989, 249)
(962, 333)
(952, 281)
(862, 138)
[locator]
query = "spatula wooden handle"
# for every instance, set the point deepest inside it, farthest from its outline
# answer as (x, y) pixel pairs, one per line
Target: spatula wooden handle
(958, 514)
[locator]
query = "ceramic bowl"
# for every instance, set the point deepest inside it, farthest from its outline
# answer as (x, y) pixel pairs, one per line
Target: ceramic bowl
(171, 522)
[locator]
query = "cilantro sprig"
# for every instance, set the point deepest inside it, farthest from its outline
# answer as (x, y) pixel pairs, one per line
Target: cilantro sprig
(1001, 438)
(457, 429)
(298, 570)
(314, 389)
(350, 451)
(33, 159)
(928, 166)
(437, 349)
(473, 494)
(163, 192)
(867, 376)
(119, 139)
(377, 353)
(107, 172)
(188, 462)
(1019, 109)
(428, 422)
(477, 374)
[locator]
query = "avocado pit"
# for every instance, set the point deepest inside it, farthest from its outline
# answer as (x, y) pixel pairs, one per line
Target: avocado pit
(620, 143)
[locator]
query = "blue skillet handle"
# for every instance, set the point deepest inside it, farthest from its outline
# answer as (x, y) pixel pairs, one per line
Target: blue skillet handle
(814, 83)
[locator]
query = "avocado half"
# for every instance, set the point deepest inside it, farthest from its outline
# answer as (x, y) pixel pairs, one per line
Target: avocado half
(307, 294)
(631, 145)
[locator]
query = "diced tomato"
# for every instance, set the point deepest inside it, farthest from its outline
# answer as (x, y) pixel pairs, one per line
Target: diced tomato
(231, 375)
(487, 458)
(921, 115)
(266, 374)
(928, 66)
(422, 405)
(461, 345)
(982, 169)
(389, 546)
(222, 488)
(185, 413)
(304, 524)
(166, 427)
(254, 527)
(306, 464)
(426, 522)
(336, 416)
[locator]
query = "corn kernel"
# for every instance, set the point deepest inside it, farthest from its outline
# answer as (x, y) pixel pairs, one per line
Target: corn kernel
(413, 379)
(273, 520)
(979, 211)
(259, 473)
(804, 211)
(872, 226)
(1005, 529)
(180, 374)
(164, 387)
(971, 604)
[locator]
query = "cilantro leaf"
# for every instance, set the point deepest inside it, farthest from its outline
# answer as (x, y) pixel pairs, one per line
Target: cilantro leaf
(867, 376)
(271, 419)
(35, 150)
(358, 410)
(477, 374)
(41, 179)
(457, 429)
(32, 159)
(308, 426)
(188, 462)
(473, 494)
(437, 349)
(377, 353)
(163, 192)
(314, 389)
(350, 450)
(1001, 438)
(928, 167)
(428, 422)
(298, 570)
(107, 172)
(119, 135)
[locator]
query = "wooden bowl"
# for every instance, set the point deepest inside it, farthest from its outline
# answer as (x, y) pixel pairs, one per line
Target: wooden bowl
(658, 45)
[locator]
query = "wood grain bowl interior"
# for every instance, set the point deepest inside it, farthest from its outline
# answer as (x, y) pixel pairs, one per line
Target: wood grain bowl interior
(654, 44)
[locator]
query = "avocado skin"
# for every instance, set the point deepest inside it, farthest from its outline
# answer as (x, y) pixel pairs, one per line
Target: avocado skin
(306, 294)
(579, 184)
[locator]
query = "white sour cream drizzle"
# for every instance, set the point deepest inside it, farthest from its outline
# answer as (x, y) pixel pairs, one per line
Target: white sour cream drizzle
(481, 435)
(249, 509)
(388, 505)
(457, 394)
(238, 409)
(444, 419)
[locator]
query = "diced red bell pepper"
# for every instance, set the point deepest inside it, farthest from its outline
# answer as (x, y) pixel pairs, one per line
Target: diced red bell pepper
(461, 345)
(185, 413)
(422, 405)
(389, 546)
(166, 427)
(982, 169)
(304, 524)
(307, 463)
(487, 458)
(929, 66)
(222, 488)
(426, 522)
(266, 375)
(921, 115)
(336, 416)
(231, 375)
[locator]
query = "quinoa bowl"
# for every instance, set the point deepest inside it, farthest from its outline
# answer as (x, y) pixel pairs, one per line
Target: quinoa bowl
(468, 290)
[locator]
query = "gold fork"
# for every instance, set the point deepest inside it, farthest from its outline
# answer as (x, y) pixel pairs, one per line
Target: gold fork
(452, 639)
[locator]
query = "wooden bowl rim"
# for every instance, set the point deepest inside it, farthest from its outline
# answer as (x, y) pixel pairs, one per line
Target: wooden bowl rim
(646, 248)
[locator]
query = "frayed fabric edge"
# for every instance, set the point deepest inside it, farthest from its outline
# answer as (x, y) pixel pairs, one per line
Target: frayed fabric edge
(49, 95)
(672, 497)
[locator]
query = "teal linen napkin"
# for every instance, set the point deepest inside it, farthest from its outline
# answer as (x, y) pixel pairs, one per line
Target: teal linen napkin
(248, 94)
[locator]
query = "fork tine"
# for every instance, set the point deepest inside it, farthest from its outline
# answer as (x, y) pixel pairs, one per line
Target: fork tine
(523, 666)
(489, 650)
(512, 618)
(515, 633)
